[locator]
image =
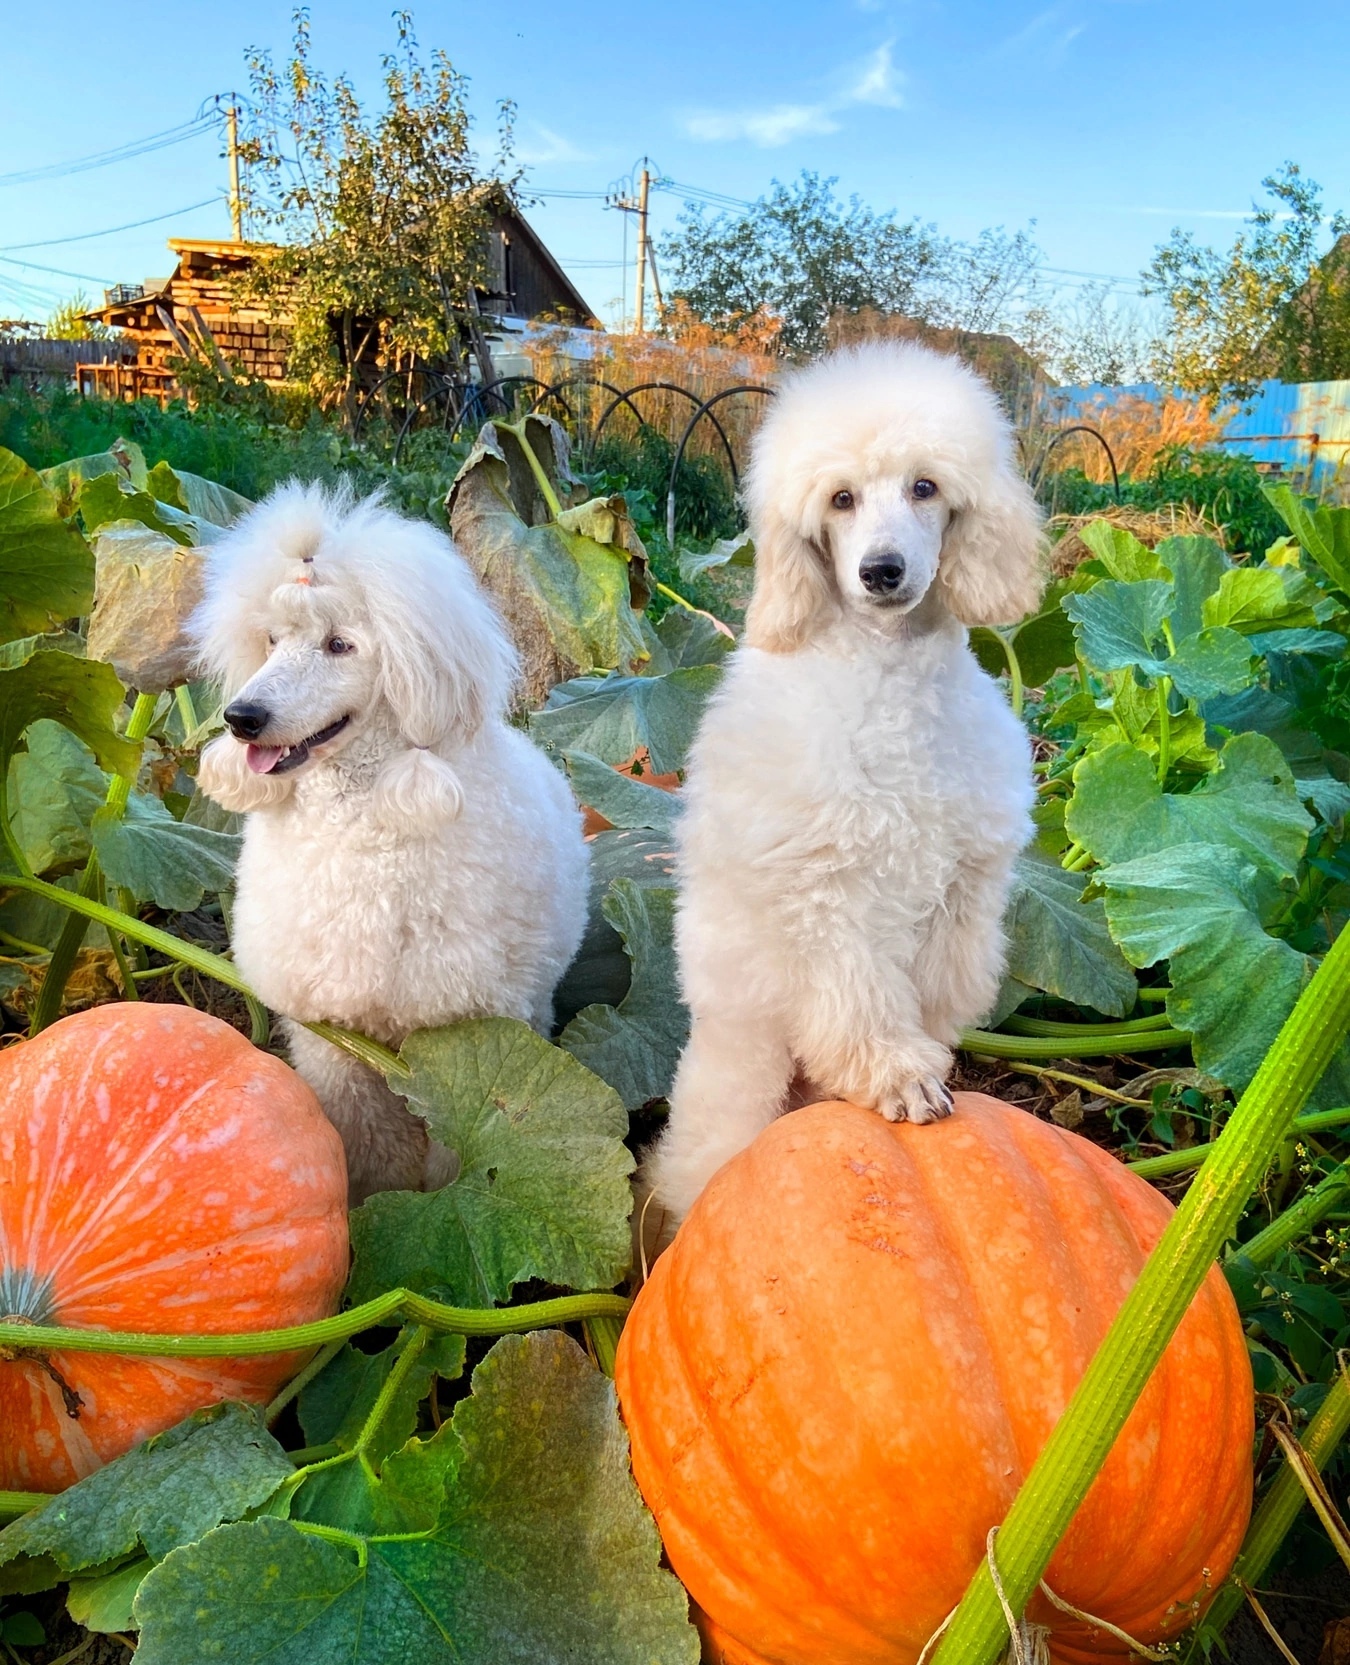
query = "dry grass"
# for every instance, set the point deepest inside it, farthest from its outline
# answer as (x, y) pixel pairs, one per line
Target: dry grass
(1150, 526)
(1137, 429)
(700, 357)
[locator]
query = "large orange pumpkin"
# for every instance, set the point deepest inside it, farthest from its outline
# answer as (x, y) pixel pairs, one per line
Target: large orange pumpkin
(837, 1377)
(156, 1173)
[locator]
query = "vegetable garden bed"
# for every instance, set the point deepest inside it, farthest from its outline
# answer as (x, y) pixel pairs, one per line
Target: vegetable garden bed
(447, 1477)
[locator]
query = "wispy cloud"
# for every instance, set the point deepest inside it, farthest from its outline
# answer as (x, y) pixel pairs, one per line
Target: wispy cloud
(768, 128)
(874, 81)
(1049, 31)
(541, 144)
(877, 80)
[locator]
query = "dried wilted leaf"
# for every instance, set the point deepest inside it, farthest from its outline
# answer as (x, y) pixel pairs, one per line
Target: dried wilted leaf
(145, 588)
(571, 588)
(1335, 1643)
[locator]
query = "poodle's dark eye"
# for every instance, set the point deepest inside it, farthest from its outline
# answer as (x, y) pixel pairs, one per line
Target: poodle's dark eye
(271, 641)
(340, 644)
(842, 500)
(925, 488)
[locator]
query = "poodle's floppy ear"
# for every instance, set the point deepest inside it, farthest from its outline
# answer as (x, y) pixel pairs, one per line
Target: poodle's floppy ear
(791, 587)
(224, 776)
(991, 569)
(446, 666)
(446, 662)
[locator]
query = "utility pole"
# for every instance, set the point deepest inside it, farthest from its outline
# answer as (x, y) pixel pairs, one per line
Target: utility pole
(639, 307)
(619, 196)
(232, 147)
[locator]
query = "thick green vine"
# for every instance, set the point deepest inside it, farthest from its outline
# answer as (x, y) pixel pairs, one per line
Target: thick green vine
(1068, 1464)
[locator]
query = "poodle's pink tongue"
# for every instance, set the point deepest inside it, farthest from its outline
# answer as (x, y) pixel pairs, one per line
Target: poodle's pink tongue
(261, 759)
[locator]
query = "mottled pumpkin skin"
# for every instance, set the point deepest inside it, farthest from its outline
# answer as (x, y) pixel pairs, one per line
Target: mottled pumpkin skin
(157, 1172)
(838, 1376)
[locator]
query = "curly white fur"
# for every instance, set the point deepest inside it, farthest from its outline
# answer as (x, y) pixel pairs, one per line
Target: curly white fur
(859, 788)
(426, 862)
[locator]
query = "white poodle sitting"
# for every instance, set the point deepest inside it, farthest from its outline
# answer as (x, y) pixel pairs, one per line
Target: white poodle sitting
(408, 858)
(859, 788)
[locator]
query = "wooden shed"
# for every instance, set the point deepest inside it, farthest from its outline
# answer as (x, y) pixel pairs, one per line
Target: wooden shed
(194, 313)
(191, 314)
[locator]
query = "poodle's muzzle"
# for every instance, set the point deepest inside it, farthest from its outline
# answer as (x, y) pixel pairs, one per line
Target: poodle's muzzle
(248, 720)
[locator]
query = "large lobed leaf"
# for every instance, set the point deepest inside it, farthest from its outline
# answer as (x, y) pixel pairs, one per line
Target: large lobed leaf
(572, 589)
(1060, 944)
(1323, 531)
(1249, 804)
(636, 1045)
(214, 1466)
(333, 1410)
(541, 1552)
(1197, 906)
(613, 717)
(1120, 627)
(622, 798)
(158, 859)
(80, 694)
(46, 568)
(601, 973)
(542, 1188)
(55, 789)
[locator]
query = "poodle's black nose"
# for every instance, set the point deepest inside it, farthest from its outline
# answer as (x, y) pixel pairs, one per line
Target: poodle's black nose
(880, 574)
(246, 720)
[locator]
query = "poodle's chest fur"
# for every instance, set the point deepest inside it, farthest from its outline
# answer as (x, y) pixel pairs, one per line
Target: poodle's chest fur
(882, 773)
(337, 919)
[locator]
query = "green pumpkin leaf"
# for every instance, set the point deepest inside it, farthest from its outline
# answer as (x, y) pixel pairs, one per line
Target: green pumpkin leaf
(572, 587)
(202, 499)
(80, 694)
(1250, 805)
(681, 639)
(1197, 567)
(601, 975)
(636, 1045)
(1212, 661)
(170, 863)
(105, 499)
(1323, 532)
(124, 458)
(613, 717)
(55, 789)
(106, 1603)
(1120, 552)
(1233, 984)
(542, 1188)
(1257, 599)
(1119, 625)
(542, 1553)
(726, 552)
(1059, 943)
(215, 1465)
(623, 799)
(1260, 711)
(46, 567)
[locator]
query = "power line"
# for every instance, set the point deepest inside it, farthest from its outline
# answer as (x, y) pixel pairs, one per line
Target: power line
(133, 225)
(57, 271)
(202, 122)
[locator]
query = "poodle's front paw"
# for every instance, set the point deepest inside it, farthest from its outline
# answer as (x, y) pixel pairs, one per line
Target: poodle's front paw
(923, 1099)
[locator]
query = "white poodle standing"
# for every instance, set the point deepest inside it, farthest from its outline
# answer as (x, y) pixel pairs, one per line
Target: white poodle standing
(859, 788)
(408, 858)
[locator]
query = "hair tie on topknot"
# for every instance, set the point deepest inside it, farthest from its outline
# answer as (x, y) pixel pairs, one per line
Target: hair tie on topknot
(305, 576)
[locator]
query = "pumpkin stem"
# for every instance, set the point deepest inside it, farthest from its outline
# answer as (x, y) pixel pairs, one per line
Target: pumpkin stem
(47, 1008)
(392, 1383)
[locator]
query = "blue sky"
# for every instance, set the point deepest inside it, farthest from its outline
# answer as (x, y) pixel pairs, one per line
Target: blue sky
(1107, 122)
